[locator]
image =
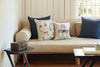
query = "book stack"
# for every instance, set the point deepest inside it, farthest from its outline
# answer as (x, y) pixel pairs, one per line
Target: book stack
(91, 51)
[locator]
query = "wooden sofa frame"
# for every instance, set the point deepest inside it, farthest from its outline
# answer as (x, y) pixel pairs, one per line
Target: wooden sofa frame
(77, 59)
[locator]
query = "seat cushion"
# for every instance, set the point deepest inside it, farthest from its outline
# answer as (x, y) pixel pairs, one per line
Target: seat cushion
(61, 46)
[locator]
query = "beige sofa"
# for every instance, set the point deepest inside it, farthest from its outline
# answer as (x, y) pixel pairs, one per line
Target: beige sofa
(55, 46)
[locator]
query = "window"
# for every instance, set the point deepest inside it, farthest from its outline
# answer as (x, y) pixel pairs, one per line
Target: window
(87, 8)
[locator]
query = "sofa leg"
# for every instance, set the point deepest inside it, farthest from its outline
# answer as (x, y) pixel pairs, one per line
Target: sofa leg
(77, 60)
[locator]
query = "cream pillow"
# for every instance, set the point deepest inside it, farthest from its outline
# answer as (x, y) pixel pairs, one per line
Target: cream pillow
(45, 29)
(62, 31)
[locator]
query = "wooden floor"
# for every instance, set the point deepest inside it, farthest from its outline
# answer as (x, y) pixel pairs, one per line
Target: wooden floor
(55, 61)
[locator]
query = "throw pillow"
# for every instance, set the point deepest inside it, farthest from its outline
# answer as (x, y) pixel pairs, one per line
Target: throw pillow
(33, 26)
(45, 29)
(62, 31)
(90, 28)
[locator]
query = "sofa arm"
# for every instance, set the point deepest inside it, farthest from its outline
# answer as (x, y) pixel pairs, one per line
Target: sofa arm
(23, 35)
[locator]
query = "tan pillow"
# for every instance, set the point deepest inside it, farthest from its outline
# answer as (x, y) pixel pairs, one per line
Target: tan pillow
(45, 29)
(62, 31)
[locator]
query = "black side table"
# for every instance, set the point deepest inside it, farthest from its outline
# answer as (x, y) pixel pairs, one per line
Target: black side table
(9, 51)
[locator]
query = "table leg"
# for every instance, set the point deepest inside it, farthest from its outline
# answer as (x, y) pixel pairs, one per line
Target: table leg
(26, 60)
(10, 59)
(84, 63)
(91, 63)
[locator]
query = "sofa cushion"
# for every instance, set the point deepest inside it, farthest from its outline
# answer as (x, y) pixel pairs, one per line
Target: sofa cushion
(33, 25)
(78, 28)
(90, 28)
(45, 29)
(72, 29)
(61, 46)
(62, 31)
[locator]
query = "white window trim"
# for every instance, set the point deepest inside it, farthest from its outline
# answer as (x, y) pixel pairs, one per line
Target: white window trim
(73, 11)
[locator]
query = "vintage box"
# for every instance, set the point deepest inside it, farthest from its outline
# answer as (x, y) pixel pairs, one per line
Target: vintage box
(17, 46)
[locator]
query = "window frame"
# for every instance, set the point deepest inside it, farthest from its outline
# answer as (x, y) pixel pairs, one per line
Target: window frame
(73, 11)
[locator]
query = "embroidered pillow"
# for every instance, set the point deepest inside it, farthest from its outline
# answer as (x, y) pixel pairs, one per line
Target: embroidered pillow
(45, 29)
(62, 31)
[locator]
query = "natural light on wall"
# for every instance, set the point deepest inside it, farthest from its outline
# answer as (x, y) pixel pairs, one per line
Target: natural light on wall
(88, 8)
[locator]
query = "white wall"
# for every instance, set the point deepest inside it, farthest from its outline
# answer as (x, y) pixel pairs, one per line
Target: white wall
(10, 15)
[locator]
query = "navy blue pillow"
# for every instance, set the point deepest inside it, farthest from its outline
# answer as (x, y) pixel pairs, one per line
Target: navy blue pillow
(33, 26)
(90, 28)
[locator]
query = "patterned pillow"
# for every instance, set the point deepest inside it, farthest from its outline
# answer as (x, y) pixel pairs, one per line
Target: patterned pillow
(62, 31)
(45, 29)
(33, 25)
